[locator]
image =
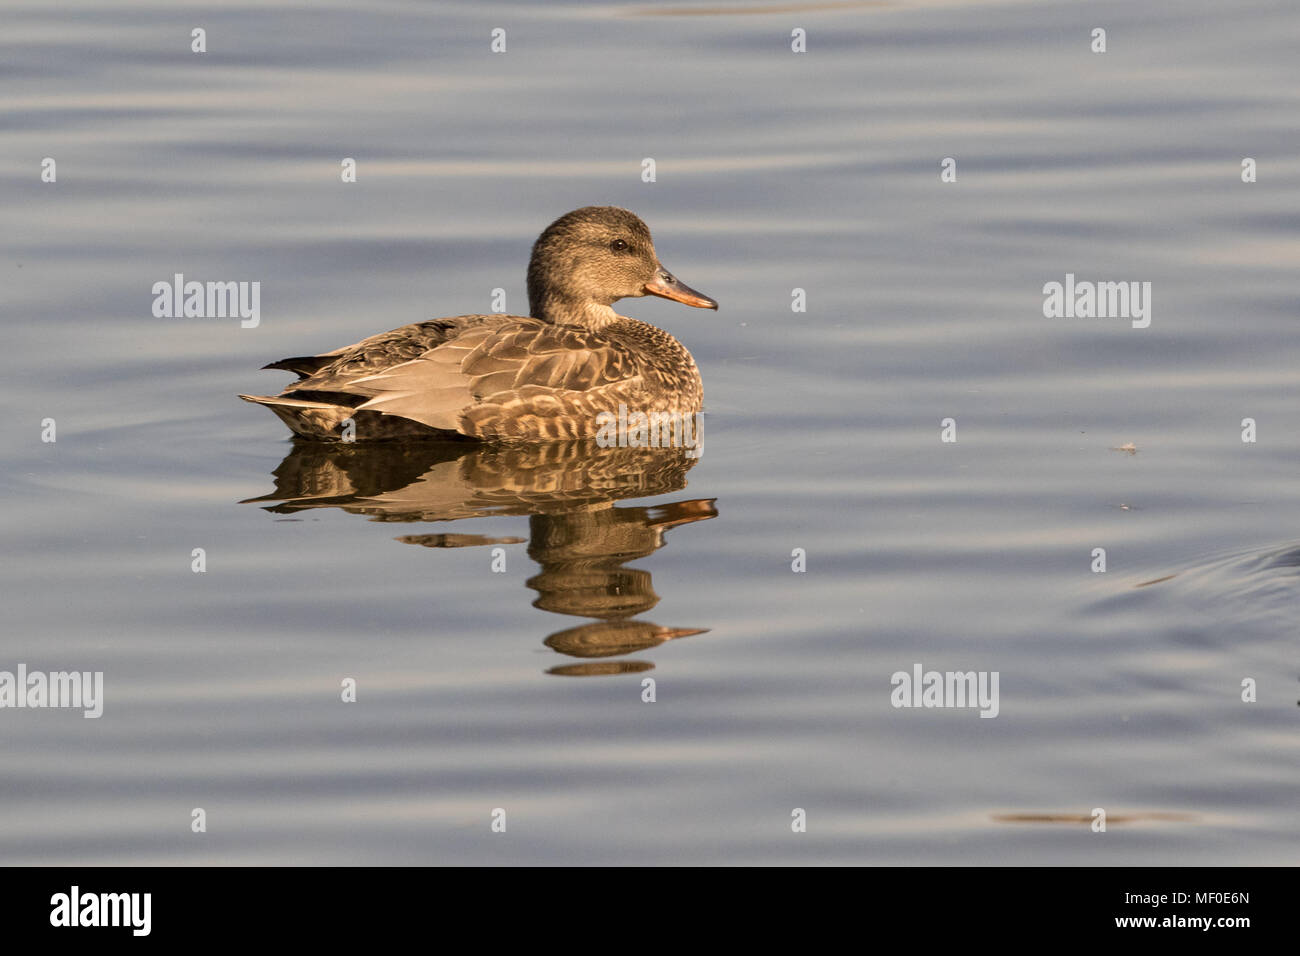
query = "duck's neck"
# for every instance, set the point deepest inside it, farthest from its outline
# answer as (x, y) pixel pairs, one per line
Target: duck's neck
(560, 311)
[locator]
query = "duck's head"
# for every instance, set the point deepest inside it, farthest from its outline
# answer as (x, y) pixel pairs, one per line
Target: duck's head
(589, 259)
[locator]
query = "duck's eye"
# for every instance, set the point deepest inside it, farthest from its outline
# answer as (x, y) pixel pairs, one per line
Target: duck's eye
(618, 245)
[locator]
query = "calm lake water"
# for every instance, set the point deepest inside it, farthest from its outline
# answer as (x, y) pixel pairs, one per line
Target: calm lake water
(521, 688)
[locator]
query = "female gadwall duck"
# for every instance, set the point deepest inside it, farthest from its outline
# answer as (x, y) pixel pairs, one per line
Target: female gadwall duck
(509, 377)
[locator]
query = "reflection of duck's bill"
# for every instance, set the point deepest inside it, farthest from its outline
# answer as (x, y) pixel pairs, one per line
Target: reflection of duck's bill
(667, 286)
(615, 638)
(682, 512)
(671, 633)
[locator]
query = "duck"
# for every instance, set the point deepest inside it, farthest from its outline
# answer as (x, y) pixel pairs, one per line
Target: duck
(546, 376)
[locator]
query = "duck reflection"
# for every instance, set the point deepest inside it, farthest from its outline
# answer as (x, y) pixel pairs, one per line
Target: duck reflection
(579, 537)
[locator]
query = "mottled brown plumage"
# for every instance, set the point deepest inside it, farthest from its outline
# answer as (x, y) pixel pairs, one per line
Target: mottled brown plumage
(546, 376)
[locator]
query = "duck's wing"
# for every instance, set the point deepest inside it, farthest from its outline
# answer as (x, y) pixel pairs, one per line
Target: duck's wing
(515, 378)
(374, 353)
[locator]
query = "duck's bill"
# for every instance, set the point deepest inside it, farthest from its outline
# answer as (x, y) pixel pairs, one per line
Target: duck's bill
(669, 287)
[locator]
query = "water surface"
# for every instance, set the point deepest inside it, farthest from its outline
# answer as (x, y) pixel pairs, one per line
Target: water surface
(522, 688)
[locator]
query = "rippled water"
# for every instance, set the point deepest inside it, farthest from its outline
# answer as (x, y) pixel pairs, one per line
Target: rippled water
(521, 689)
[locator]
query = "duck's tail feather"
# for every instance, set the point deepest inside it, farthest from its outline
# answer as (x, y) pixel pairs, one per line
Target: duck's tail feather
(327, 421)
(303, 365)
(310, 419)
